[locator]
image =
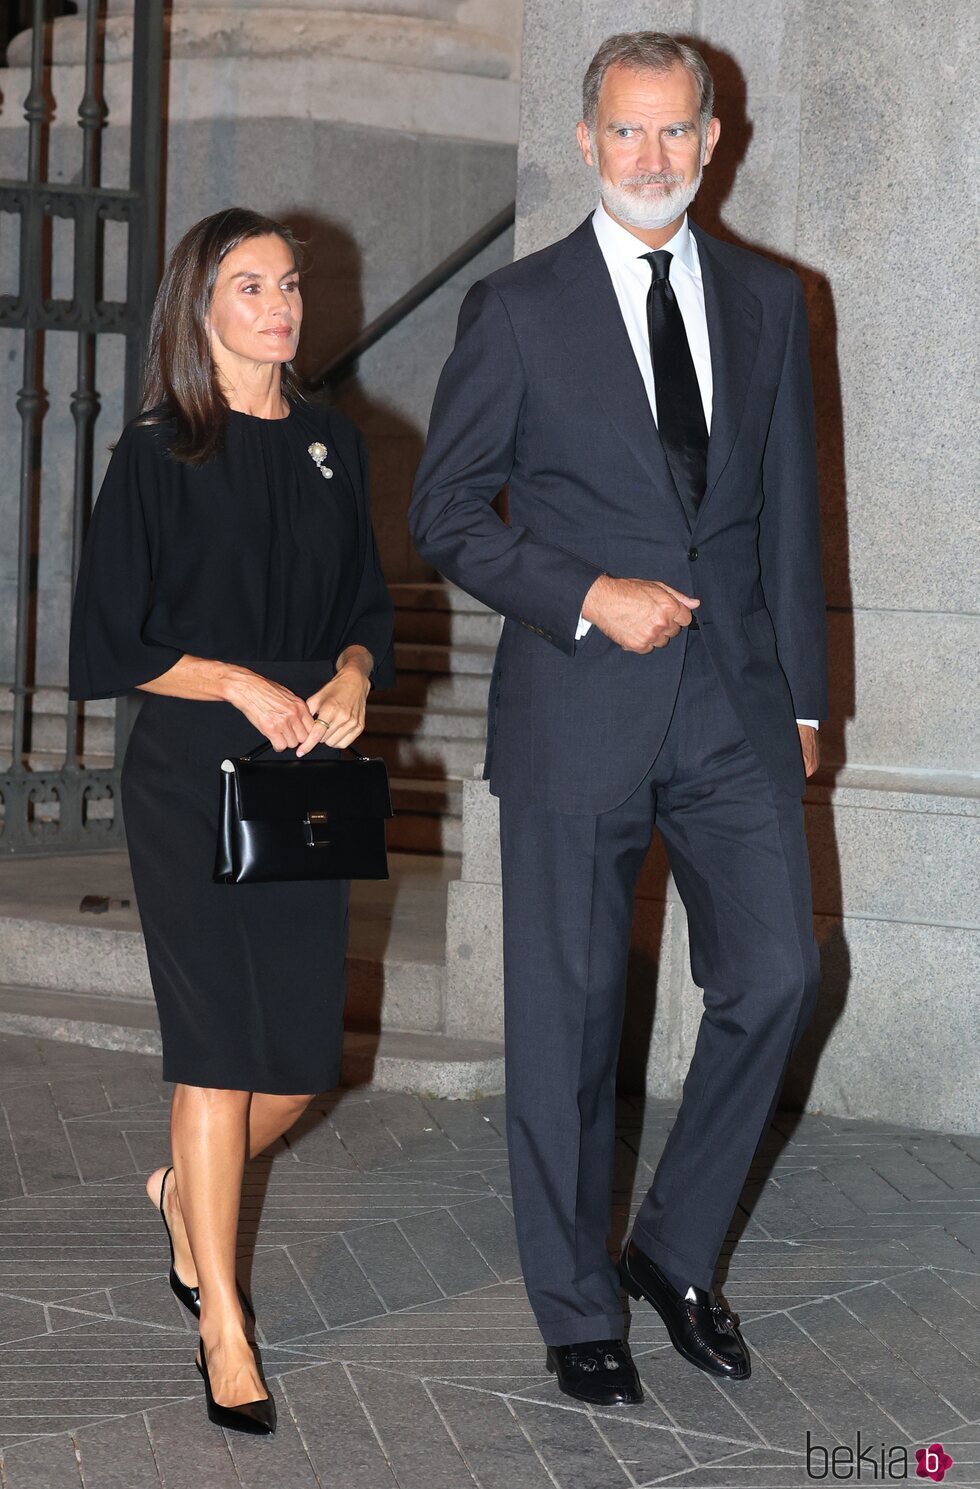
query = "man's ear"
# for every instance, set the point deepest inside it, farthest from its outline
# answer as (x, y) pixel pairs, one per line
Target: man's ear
(711, 138)
(584, 141)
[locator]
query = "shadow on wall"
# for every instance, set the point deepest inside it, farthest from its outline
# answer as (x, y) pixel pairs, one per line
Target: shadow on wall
(647, 950)
(333, 317)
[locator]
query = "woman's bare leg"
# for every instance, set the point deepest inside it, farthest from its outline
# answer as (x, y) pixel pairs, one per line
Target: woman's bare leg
(268, 1118)
(210, 1130)
(208, 1137)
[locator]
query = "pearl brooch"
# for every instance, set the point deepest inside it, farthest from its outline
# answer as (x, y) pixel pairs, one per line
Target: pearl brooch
(319, 455)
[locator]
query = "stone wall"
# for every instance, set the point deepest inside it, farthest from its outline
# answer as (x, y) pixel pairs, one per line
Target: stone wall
(383, 162)
(825, 108)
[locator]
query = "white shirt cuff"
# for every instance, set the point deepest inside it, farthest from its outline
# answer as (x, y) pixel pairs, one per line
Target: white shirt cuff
(584, 627)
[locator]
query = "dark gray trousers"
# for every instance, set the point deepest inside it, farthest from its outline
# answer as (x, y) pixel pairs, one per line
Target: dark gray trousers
(738, 855)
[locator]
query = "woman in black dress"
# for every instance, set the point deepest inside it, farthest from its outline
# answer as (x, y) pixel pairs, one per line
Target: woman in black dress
(230, 574)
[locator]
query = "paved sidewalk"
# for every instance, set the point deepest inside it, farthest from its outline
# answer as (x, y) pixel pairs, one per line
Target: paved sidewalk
(394, 1326)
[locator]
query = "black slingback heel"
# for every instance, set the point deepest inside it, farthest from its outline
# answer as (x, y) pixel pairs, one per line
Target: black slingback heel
(191, 1296)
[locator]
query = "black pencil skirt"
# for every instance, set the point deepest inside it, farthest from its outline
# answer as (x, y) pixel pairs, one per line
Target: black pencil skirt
(248, 978)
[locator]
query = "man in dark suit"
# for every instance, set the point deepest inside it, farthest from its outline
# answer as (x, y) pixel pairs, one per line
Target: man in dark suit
(644, 391)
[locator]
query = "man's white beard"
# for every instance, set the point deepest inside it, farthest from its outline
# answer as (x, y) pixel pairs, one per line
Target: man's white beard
(636, 210)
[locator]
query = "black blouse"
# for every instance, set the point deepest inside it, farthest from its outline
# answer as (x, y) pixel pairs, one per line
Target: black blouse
(253, 556)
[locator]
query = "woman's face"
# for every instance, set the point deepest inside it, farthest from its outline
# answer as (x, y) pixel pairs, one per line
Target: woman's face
(256, 309)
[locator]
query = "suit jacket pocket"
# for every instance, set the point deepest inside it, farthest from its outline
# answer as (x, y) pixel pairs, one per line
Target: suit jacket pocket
(759, 629)
(593, 644)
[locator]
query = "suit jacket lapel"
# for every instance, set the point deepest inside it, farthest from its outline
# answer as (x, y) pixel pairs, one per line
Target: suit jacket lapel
(593, 329)
(734, 318)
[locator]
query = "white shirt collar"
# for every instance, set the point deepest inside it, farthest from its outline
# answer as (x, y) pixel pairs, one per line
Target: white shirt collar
(620, 246)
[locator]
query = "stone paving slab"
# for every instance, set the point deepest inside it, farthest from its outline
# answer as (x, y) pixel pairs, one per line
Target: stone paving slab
(378, 1242)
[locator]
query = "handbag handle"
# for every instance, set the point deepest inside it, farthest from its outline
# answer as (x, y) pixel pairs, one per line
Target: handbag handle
(265, 745)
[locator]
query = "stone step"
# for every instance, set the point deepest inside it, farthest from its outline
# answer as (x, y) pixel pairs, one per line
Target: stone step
(418, 719)
(431, 726)
(396, 949)
(422, 1064)
(441, 691)
(428, 813)
(399, 755)
(432, 759)
(410, 796)
(428, 816)
(48, 727)
(435, 656)
(415, 722)
(47, 735)
(53, 700)
(425, 832)
(449, 627)
(438, 612)
(436, 594)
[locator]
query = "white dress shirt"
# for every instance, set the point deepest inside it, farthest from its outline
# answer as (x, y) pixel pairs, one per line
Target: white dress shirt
(631, 278)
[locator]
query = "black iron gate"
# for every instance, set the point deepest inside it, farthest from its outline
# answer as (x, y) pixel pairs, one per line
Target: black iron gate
(74, 806)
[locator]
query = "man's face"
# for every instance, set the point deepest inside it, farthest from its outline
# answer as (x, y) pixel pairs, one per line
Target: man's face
(646, 147)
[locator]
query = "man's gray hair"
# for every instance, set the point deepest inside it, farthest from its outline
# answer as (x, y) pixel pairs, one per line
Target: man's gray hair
(652, 51)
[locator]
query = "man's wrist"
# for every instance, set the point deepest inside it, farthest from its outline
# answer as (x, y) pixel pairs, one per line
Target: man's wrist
(594, 593)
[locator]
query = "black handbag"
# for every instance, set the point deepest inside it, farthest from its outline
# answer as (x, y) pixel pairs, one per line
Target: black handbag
(302, 819)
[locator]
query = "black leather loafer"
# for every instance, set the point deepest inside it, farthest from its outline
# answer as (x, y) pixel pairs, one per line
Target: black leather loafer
(600, 1372)
(700, 1328)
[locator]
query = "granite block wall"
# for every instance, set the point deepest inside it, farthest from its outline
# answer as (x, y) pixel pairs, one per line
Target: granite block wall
(848, 150)
(377, 208)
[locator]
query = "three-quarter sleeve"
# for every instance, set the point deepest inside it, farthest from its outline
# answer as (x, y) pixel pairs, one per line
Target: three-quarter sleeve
(109, 654)
(372, 621)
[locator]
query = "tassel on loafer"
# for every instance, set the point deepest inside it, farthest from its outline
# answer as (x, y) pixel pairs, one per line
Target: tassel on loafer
(191, 1296)
(700, 1328)
(600, 1372)
(255, 1417)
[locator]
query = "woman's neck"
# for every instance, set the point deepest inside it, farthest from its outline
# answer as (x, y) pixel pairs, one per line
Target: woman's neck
(254, 390)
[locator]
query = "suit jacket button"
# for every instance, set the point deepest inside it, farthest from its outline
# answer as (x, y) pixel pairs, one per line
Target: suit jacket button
(692, 554)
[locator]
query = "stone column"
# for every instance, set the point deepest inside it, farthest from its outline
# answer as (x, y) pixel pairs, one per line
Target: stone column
(825, 106)
(368, 63)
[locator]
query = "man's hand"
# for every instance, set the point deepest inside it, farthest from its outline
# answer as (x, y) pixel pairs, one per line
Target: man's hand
(810, 745)
(638, 614)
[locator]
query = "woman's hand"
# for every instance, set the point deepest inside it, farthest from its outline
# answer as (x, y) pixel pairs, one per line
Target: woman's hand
(284, 719)
(340, 707)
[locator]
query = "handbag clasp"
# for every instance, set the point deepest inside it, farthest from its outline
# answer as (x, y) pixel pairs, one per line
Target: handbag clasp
(316, 829)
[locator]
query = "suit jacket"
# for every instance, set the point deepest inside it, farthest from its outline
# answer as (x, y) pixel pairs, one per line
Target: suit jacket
(542, 393)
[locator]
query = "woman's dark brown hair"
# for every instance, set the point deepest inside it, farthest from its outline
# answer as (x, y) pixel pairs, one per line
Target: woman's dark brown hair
(181, 380)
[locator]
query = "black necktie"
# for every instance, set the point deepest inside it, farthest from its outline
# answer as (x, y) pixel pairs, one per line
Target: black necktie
(680, 412)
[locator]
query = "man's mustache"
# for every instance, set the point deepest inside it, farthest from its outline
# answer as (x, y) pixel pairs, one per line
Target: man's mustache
(658, 178)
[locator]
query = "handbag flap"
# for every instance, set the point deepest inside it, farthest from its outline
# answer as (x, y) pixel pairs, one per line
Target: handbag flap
(286, 790)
